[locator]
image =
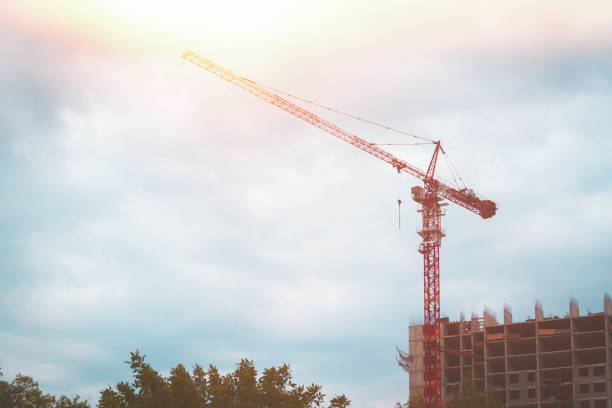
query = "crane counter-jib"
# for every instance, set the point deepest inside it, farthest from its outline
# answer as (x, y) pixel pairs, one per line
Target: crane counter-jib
(484, 208)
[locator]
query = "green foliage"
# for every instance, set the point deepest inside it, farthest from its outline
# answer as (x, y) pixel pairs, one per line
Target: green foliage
(23, 392)
(65, 402)
(242, 388)
(339, 401)
(183, 392)
(210, 389)
(110, 399)
(245, 383)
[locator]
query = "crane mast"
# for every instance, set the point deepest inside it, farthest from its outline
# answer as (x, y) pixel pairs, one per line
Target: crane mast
(429, 196)
(431, 232)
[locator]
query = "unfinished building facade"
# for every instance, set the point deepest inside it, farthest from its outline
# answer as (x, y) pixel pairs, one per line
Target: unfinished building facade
(546, 362)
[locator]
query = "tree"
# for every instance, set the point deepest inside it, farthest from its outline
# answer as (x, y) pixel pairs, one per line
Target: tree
(272, 386)
(245, 379)
(109, 398)
(23, 392)
(220, 389)
(241, 388)
(152, 389)
(307, 397)
(75, 402)
(339, 401)
(276, 389)
(127, 395)
(201, 384)
(183, 392)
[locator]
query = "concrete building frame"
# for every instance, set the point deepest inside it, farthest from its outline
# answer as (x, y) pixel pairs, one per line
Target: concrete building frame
(545, 362)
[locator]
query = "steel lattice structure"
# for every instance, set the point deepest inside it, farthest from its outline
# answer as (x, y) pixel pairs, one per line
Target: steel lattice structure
(429, 197)
(432, 234)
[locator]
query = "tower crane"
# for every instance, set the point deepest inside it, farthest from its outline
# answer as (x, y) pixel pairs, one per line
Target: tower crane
(430, 198)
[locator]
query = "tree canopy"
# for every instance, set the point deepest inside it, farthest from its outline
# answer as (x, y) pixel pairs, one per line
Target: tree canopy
(23, 392)
(200, 388)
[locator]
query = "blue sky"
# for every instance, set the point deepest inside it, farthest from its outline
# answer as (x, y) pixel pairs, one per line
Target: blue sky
(148, 204)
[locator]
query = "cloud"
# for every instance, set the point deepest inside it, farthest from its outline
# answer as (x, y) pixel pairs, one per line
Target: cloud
(152, 205)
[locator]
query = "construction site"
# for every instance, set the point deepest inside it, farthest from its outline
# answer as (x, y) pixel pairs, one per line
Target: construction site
(548, 362)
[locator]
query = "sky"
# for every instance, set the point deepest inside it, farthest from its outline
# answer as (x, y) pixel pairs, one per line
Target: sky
(149, 204)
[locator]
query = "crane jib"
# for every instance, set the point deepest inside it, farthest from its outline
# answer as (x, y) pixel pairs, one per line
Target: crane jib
(484, 208)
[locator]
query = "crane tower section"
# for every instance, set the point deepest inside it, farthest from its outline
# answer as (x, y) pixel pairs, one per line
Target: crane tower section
(431, 232)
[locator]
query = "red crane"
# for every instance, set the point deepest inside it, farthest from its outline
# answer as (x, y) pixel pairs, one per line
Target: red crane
(429, 196)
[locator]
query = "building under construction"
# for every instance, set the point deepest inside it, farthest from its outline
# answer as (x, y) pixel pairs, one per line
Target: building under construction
(545, 362)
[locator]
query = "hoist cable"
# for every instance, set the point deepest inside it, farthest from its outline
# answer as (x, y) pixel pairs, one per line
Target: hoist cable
(340, 112)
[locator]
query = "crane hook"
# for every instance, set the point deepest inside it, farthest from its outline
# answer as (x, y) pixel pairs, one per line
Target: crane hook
(399, 214)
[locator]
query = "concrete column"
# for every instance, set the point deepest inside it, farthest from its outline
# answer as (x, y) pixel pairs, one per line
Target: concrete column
(539, 316)
(461, 328)
(485, 354)
(442, 361)
(473, 358)
(574, 310)
(539, 312)
(475, 325)
(506, 382)
(538, 393)
(608, 322)
(574, 368)
(507, 314)
(489, 318)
